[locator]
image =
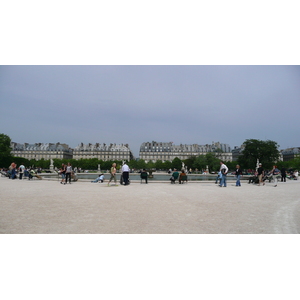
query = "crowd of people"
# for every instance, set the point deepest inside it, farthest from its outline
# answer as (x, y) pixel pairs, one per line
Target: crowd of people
(261, 175)
(21, 172)
(67, 173)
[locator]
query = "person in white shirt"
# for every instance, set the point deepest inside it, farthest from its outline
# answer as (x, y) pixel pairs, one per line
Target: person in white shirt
(224, 171)
(68, 173)
(21, 171)
(125, 173)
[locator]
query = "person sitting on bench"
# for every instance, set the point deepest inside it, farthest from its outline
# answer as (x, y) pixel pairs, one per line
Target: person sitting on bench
(182, 177)
(174, 176)
(144, 175)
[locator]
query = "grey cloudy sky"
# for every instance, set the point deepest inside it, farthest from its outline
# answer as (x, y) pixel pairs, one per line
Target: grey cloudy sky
(135, 104)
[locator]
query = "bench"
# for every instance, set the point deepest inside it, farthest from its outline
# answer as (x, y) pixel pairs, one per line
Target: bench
(183, 179)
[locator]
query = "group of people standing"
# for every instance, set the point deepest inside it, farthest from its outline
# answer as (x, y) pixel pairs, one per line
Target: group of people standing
(222, 175)
(66, 173)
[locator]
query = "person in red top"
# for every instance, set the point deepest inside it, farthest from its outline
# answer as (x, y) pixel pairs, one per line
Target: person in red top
(12, 169)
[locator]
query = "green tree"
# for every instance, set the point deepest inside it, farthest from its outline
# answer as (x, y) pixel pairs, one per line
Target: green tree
(21, 161)
(200, 162)
(231, 165)
(167, 165)
(141, 164)
(159, 165)
(190, 162)
(5, 151)
(212, 161)
(291, 164)
(150, 165)
(266, 151)
(176, 163)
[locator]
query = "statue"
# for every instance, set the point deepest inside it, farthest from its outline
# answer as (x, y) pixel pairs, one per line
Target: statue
(257, 164)
(51, 165)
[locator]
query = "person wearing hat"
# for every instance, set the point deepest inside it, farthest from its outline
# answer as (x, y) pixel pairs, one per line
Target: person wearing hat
(260, 173)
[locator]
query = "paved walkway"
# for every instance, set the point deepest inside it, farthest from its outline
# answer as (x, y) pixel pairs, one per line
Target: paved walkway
(45, 206)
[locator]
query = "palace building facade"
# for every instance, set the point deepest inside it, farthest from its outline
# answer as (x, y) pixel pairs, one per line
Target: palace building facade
(167, 151)
(41, 150)
(103, 151)
(62, 151)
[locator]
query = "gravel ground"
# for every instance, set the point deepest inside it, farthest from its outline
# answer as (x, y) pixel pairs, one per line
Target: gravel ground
(46, 206)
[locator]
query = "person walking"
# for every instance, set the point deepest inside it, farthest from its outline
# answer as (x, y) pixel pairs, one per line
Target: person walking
(275, 172)
(260, 174)
(125, 173)
(238, 174)
(224, 171)
(113, 172)
(68, 173)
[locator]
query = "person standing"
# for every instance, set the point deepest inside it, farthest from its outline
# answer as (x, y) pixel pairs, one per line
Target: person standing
(68, 173)
(113, 172)
(21, 171)
(238, 174)
(283, 174)
(260, 174)
(63, 173)
(224, 171)
(125, 173)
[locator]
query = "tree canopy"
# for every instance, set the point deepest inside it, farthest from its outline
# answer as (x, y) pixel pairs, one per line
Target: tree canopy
(5, 150)
(265, 151)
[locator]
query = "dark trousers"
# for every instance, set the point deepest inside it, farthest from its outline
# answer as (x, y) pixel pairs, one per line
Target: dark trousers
(20, 175)
(68, 175)
(125, 177)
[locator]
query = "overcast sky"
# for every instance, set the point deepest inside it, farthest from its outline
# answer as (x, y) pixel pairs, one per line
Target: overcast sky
(117, 72)
(136, 104)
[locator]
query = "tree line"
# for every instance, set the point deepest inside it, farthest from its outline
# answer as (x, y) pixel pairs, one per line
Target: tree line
(266, 151)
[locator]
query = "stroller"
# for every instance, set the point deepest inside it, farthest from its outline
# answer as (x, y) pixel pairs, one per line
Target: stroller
(122, 180)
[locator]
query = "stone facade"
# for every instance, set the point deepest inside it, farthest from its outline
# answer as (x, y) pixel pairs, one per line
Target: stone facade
(40, 150)
(103, 152)
(167, 151)
(290, 153)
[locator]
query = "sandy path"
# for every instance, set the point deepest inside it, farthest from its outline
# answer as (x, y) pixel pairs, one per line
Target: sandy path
(42, 206)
